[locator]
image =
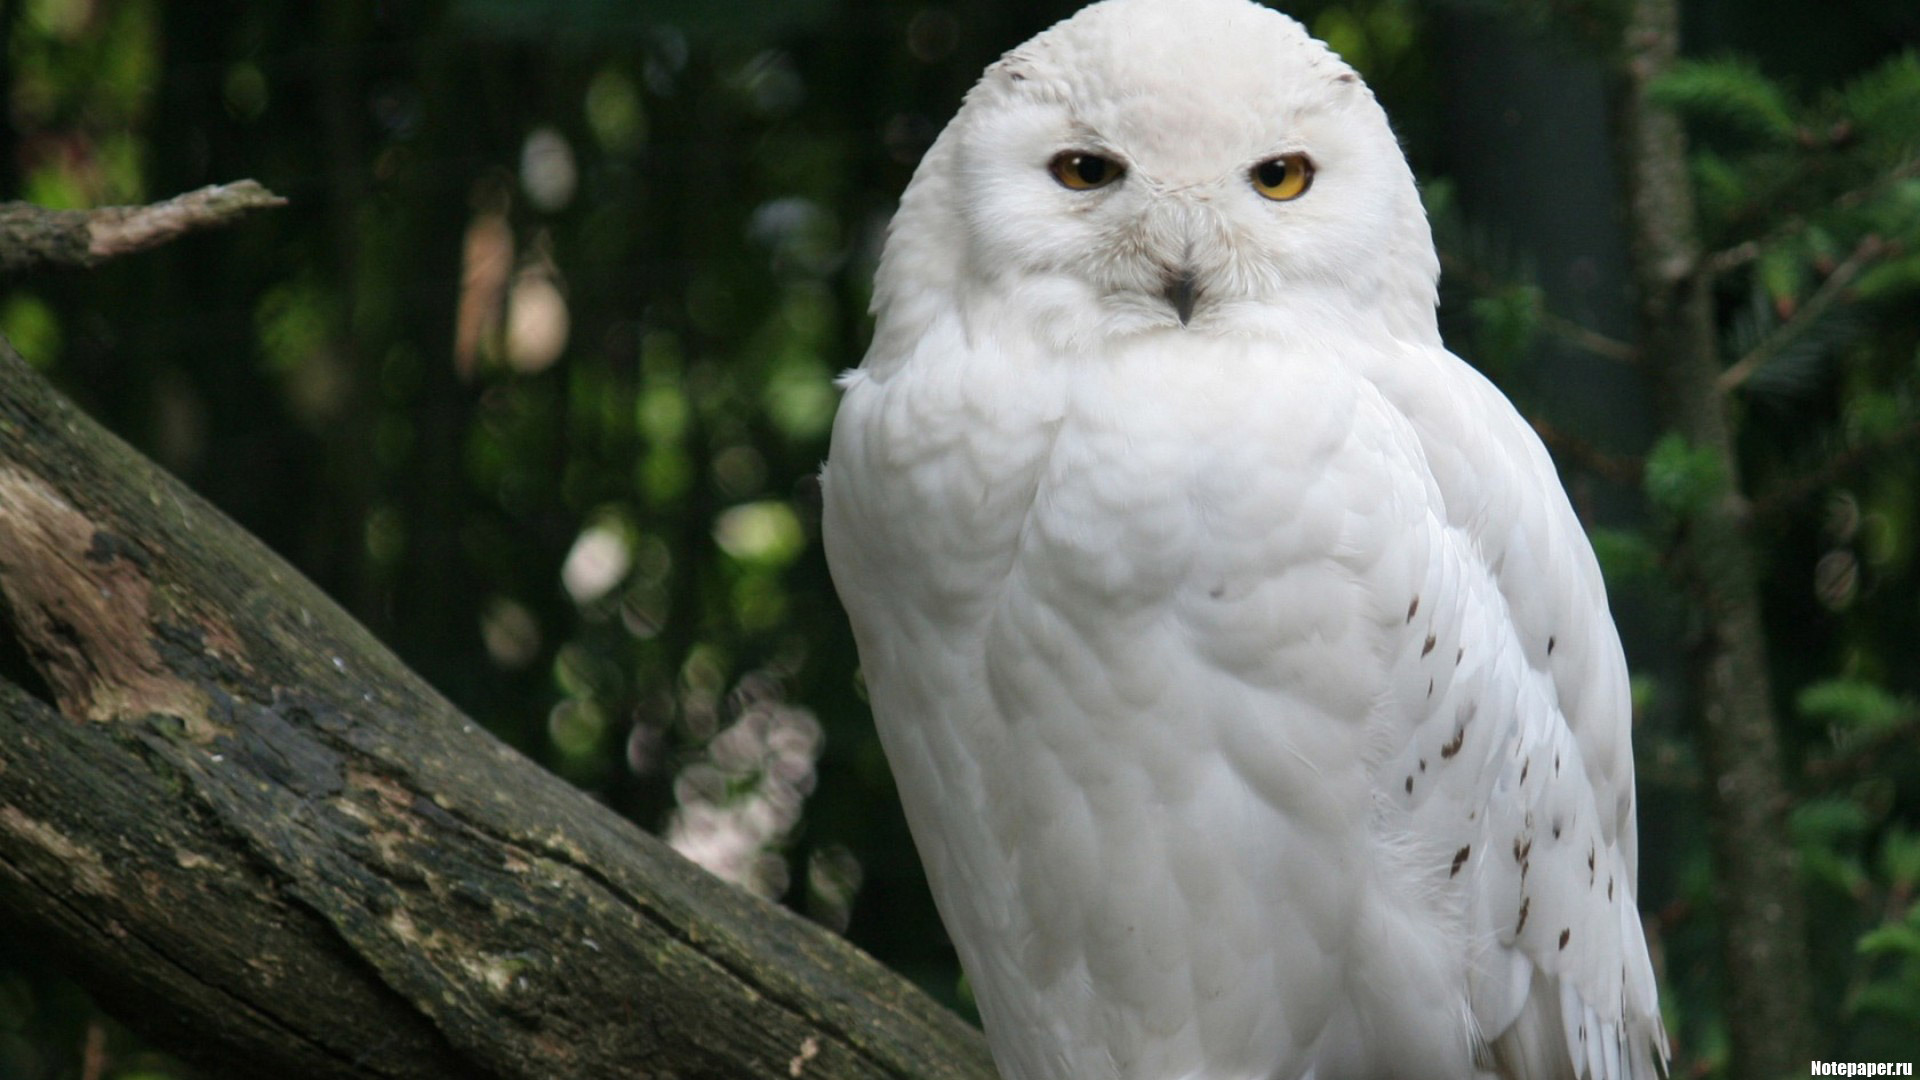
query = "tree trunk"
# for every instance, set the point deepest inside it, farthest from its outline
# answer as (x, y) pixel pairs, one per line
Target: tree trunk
(1761, 922)
(272, 849)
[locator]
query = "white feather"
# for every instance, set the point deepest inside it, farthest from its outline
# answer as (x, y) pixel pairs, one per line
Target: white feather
(1248, 680)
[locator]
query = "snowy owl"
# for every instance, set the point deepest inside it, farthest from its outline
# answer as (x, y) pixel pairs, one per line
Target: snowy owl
(1247, 676)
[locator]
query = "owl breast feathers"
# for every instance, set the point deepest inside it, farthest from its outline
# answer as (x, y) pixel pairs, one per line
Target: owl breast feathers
(1248, 679)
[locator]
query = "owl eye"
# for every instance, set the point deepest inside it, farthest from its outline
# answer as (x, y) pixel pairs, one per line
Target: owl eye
(1285, 177)
(1082, 171)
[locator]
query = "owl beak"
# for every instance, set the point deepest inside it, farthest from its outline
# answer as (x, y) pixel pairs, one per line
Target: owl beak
(1182, 290)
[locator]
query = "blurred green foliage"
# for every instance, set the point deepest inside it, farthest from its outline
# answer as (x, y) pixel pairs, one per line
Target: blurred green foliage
(535, 372)
(1814, 200)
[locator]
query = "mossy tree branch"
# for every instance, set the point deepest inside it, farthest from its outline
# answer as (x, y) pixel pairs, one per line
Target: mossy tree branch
(265, 844)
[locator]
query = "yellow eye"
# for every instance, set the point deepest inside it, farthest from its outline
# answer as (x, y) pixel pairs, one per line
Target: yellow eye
(1081, 171)
(1285, 177)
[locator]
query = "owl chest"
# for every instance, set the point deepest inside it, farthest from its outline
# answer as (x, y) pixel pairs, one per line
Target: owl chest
(1113, 490)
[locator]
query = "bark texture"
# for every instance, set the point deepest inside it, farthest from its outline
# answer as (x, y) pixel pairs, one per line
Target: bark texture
(1761, 914)
(34, 238)
(271, 848)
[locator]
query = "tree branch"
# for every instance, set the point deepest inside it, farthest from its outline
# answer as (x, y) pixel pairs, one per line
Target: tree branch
(1831, 471)
(1822, 301)
(1581, 337)
(35, 238)
(1859, 758)
(1571, 449)
(260, 840)
(1588, 339)
(1732, 258)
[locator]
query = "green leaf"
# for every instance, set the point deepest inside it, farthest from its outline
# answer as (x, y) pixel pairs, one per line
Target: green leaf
(1731, 92)
(1783, 275)
(1644, 690)
(765, 533)
(1889, 278)
(1855, 705)
(1723, 192)
(1625, 555)
(1827, 821)
(1826, 834)
(1894, 938)
(1345, 34)
(1900, 858)
(1886, 998)
(1508, 320)
(1871, 416)
(1882, 103)
(1682, 479)
(34, 329)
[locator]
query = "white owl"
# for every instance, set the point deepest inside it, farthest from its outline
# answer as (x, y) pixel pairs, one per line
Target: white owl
(1248, 679)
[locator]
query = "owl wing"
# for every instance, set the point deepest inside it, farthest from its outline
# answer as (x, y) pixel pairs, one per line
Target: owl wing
(1514, 767)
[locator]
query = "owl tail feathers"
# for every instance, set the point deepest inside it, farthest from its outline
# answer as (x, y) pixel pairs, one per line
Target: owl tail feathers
(1558, 1037)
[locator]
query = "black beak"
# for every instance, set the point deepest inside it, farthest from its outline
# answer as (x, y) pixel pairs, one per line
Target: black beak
(1181, 293)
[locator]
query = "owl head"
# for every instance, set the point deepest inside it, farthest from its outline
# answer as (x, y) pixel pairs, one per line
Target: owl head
(1169, 166)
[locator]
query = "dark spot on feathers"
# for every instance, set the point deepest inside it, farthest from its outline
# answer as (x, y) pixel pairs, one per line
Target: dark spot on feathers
(1459, 860)
(1589, 866)
(1428, 647)
(1564, 936)
(1556, 830)
(1461, 719)
(1556, 764)
(1413, 607)
(1609, 886)
(1423, 764)
(1429, 687)
(1525, 767)
(1525, 903)
(1409, 784)
(1550, 644)
(1457, 654)
(1217, 591)
(1522, 847)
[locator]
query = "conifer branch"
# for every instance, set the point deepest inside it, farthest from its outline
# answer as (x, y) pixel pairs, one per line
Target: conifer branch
(1576, 451)
(1790, 493)
(1823, 300)
(1738, 255)
(1761, 920)
(1588, 339)
(1558, 326)
(1862, 757)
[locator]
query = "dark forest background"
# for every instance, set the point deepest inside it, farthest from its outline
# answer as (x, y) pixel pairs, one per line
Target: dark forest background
(534, 372)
